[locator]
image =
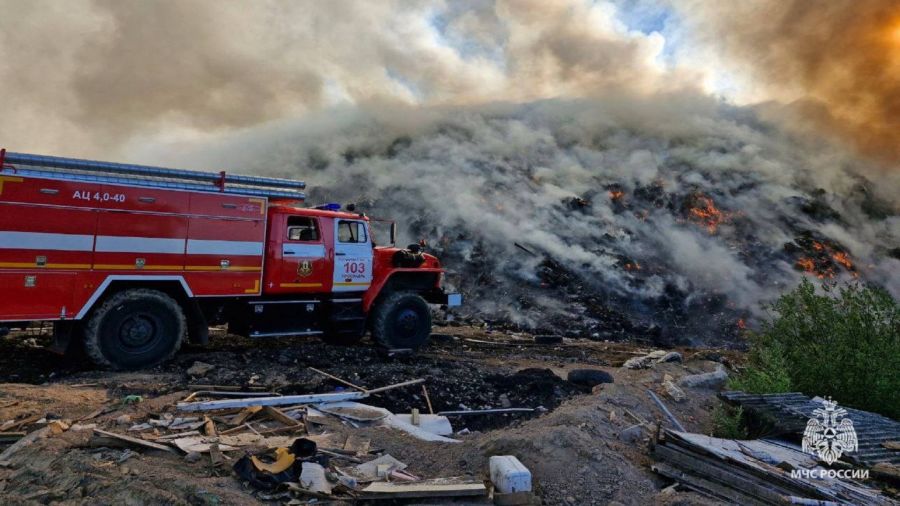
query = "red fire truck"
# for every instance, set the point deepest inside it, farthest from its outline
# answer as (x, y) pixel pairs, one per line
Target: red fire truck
(130, 260)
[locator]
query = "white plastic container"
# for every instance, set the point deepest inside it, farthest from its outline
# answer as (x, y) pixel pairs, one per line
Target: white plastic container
(509, 475)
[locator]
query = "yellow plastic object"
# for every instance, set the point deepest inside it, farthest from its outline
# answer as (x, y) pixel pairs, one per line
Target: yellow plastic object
(284, 459)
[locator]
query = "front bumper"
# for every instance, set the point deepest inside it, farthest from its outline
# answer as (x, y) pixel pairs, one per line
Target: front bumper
(444, 299)
(454, 299)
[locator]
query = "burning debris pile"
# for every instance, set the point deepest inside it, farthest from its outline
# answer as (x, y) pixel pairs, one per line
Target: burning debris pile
(640, 219)
(820, 256)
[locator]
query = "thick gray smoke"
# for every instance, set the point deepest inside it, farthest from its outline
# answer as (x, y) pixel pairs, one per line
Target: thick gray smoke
(633, 214)
(562, 164)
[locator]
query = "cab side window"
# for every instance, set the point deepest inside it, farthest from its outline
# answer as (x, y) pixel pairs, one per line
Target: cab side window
(302, 228)
(351, 231)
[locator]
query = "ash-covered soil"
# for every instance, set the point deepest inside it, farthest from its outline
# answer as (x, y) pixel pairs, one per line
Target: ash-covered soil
(571, 444)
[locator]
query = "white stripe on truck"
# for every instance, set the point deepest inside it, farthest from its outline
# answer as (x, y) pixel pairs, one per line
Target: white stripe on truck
(126, 244)
(45, 241)
(118, 244)
(200, 247)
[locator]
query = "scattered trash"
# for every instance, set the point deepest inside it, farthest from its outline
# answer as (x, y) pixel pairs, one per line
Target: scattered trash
(435, 424)
(312, 478)
(387, 418)
(199, 369)
(509, 475)
(638, 362)
(672, 356)
(672, 389)
(132, 399)
(284, 465)
(377, 469)
(713, 380)
(652, 358)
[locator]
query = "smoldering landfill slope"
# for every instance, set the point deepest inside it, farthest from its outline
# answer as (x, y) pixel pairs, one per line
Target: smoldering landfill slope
(673, 218)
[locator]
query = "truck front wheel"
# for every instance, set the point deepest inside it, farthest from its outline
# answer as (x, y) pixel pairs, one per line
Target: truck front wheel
(134, 329)
(401, 320)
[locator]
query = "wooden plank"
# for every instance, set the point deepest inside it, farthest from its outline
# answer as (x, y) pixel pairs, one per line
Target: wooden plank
(398, 385)
(721, 474)
(135, 441)
(272, 401)
(209, 427)
(93, 414)
(279, 416)
(770, 474)
(22, 443)
(281, 430)
(246, 413)
(424, 489)
(339, 380)
(427, 400)
(706, 487)
(25, 421)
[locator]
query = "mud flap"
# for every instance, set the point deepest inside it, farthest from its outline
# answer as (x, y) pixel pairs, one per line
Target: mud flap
(198, 328)
(64, 333)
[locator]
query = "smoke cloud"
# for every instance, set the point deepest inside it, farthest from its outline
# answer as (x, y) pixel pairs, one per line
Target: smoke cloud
(625, 216)
(838, 62)
(89, 76)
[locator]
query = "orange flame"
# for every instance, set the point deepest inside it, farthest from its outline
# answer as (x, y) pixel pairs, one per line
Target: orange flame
(741, 324)
(843, 259)
(616, 195)
(707, 214)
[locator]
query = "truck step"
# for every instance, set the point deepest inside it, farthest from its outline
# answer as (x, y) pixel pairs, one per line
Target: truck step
(287, 334)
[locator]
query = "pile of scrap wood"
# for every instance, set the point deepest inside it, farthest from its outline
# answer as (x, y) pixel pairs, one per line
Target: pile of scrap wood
(753, 472)
(282, 446)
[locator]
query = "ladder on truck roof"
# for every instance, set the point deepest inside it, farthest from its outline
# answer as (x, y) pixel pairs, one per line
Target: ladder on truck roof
(149, 176)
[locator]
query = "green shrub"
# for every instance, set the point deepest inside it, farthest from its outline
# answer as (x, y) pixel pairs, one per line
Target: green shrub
(728, 422)
(843, 343)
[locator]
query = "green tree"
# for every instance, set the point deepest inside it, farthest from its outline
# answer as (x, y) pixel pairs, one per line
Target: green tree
(843, 342)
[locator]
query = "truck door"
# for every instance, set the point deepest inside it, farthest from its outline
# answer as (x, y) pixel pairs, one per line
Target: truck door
(352, 256)
(304, 266)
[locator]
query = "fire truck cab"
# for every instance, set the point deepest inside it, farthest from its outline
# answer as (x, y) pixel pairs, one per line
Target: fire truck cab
(127, 261)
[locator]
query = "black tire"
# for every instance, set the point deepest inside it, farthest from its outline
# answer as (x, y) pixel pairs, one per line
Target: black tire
(135, 329)
(401, 320)
(589, 377)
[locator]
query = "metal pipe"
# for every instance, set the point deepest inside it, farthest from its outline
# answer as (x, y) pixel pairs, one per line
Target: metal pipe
(146, 170)
(486, 411)
(665, 410)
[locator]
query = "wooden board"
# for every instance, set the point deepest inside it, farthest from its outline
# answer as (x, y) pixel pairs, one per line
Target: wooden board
(425, 489)
(135, 441)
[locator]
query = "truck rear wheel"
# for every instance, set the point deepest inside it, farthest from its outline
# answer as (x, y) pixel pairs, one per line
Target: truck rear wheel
(134, 329)
(401, 320)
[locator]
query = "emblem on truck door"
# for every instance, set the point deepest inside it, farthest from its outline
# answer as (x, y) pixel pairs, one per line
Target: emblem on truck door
(304, 269)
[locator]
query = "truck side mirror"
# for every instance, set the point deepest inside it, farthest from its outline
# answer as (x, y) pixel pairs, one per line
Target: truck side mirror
(393, 233)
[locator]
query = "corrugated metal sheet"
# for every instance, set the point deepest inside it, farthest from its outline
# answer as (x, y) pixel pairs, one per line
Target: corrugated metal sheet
(790, 412)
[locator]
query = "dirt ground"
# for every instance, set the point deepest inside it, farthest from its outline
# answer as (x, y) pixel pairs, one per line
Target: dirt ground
(573, 445)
